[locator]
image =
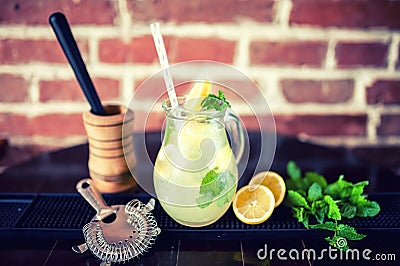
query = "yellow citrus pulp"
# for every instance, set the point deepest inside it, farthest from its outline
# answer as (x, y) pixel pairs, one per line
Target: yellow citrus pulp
(197, 94)
(191, 132)
(254, 203)
(253, 207)
(273, 181)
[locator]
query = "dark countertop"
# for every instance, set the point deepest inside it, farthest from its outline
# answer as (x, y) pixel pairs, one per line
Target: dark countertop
(59, 171)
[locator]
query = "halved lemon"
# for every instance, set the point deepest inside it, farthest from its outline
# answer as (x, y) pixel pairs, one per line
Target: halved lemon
(271, 180)
(253, 207)
(197, 94)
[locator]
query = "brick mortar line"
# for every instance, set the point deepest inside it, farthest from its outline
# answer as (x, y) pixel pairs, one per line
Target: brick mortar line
(373, 122)
(43, 71)
(330, 58)
(393, 53)
(93, 57)
(127, 88)
(48, 141)
(37, 109)
(230, 31)
(138, 70)
(282, 12)
(387, 110)
(46, 33)
(320, 73)
(316, 109)
(34, 90)
(63, 71)
(241, 56)
(146, 70)
(272, 91)
(361, 81)
(124, 19)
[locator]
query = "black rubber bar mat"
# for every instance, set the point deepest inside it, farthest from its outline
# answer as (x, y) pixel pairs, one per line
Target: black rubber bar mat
(62, 216)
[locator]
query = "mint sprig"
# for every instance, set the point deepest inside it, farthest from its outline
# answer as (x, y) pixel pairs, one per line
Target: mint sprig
(340, 231)
(215, 185)
(214, 102)
(312, 196)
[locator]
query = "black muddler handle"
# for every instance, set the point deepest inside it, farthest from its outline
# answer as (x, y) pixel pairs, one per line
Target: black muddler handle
(67, 42)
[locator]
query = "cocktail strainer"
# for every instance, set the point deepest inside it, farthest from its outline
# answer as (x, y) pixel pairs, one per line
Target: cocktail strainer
(117, 233)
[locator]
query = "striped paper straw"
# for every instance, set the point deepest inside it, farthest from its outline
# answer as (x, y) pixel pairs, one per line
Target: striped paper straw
(162, 56)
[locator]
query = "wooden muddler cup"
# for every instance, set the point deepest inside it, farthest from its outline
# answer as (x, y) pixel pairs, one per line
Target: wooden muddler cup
(108, 164)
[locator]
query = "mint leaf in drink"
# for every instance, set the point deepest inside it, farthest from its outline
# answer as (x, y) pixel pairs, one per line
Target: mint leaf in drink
(209, 184)
(204, 200)
(209, 188)
(229, 188)
(215, 185)
(214, 102)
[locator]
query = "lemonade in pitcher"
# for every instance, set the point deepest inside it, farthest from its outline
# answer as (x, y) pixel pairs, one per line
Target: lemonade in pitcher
(195, 173)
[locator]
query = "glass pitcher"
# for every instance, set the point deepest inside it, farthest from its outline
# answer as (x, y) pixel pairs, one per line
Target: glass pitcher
(195, 173)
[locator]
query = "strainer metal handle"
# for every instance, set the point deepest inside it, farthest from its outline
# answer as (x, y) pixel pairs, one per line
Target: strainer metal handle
(93, 196)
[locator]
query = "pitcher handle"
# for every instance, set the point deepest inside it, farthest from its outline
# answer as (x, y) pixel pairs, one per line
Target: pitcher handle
(236, 133)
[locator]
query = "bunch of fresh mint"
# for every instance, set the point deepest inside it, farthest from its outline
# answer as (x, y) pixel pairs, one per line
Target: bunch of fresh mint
(214, 102)
(312, 196)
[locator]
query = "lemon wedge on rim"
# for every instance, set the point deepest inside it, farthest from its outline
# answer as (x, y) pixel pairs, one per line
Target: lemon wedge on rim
(197, 94)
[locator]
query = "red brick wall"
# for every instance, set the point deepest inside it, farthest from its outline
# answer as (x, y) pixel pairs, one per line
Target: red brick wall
(329, 68)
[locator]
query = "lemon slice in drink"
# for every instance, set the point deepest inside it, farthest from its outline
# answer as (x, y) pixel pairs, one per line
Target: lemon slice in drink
(197, 94)
(271, 180)
(253, 207)
(192, 133)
